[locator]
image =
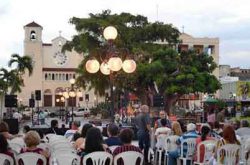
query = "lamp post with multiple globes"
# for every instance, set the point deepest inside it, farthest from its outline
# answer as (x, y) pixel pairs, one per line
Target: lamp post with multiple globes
(110, 63)
(71, 93)
(61, 102)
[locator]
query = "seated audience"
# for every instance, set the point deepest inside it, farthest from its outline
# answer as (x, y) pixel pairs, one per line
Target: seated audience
(80, 142)
(162, 115)
(176, 128)
(126, 137)
(229, 137)
(217, 129)
(63, 129)
(4, 130)
(205, 135)
(94, 141)
(54, 128)
(191, 133)
(244, 130)
(4, 148)
(74, 128)
(32, 140)
(113, 131)
(26, 129)
(161, 133)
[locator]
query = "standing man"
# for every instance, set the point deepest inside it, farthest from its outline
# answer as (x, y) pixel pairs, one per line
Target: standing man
(143, 133)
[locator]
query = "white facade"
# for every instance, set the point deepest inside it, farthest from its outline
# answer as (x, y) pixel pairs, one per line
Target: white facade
(228, 89)
(52, 70)
(228, 79)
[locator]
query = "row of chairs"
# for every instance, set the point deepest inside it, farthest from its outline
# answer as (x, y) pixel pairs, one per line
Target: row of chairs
(63, 153)
(230, 151)
(98, 158)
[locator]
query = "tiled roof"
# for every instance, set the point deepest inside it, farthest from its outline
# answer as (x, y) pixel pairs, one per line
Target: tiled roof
(33, 24)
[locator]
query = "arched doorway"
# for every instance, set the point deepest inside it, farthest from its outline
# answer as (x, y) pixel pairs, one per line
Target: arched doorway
(47, 97)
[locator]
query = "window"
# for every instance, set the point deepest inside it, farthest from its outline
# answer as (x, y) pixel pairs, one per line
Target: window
(46, 76)
(67, 77)
(86, 97)
(182, 48)
(210, 50)
(53, 76)
(32, 35)
(198, 49)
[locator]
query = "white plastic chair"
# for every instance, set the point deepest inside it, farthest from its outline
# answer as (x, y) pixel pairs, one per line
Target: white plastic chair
(243, 149)
(30, 158)
(56, 138)
(49, 136)
(98, 158)
(59, 146)
(230, 152)
(66, 159)
(160, 146)
(129, 157)
(63, 151)
(190, 145)
(18, 140)
(15, 147)
(112, 148)
(6, 158)
(170, 145)
(209, 149)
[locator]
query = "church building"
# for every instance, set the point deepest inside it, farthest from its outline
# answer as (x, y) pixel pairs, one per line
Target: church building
(52, 72)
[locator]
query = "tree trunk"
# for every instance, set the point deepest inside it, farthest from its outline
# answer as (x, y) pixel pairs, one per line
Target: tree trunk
(170, 102)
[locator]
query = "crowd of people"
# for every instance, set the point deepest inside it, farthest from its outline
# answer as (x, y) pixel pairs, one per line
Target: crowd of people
(89, 138)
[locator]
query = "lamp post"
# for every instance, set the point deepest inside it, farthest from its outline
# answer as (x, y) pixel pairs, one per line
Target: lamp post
(71, 93)
(60, 101)
(110, 63)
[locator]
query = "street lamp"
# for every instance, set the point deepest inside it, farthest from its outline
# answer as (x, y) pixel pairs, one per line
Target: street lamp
(70, 93)
(111, 62)
(61, 101)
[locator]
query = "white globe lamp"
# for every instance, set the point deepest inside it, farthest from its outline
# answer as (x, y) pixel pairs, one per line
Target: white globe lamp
(72, 93)
(92, 66)
(105, 68)
(79, 94)
(72, 81)
(65, 94)
(129, 66)
(110, 33)
(115, 64)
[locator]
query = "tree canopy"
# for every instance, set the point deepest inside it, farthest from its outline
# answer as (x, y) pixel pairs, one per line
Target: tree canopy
(153, 46)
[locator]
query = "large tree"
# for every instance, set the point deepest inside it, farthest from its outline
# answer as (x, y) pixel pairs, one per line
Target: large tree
(157, 64)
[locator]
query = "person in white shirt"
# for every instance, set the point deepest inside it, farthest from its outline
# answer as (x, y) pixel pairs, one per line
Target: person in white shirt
(162, 133)
(74, 128)
(17, 116)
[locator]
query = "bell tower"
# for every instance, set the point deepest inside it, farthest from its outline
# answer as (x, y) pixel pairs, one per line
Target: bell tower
(33, 47)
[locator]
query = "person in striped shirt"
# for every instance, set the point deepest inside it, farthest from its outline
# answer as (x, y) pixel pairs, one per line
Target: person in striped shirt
(126, 137)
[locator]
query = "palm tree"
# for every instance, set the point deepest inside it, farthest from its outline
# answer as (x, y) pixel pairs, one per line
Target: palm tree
(10, 79)
(24, 62)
